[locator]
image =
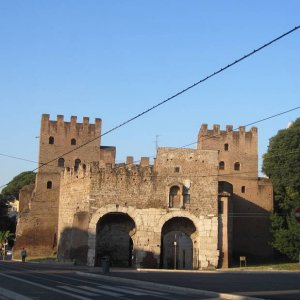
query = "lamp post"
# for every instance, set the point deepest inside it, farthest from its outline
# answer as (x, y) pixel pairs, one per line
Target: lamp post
(175, 254)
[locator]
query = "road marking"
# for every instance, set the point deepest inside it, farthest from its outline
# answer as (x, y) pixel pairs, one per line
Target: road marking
(124, 290)
(148, 291)
(12, 295)
(101, 291)
(69, 288)
(45, 287)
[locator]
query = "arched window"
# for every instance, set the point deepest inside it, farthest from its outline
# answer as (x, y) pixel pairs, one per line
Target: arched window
(174, 196)
(221, 165)
(77, 163)
(226, 147)
(51, 140)
(237, 166)
(61, 162)
(73, 141)
(49, 185)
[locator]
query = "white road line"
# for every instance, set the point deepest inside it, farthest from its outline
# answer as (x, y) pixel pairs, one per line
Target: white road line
(12, 295)
(124, 290)
(69, 288)
(88, 288)
(45, 287)
(146, 290)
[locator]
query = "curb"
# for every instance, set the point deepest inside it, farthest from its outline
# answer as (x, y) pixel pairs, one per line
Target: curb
(168, 287)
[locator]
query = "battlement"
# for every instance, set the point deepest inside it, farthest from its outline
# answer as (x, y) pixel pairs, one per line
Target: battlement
(86, 171)
(73, 128)
(204, 131)
(241, 134)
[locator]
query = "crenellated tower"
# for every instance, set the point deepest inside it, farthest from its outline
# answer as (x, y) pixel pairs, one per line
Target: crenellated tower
(237, 149)
(62, 145)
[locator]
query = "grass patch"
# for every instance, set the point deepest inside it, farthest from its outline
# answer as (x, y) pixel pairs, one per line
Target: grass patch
(274, 266)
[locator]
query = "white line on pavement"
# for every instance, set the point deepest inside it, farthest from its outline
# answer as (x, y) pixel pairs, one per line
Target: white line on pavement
(69, 288)
(45, 287)
(148, 291)
(124, 290)
(101, 291)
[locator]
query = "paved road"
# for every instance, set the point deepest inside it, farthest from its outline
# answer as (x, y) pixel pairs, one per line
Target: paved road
(266, 285)
(40, 281)
(44, 282)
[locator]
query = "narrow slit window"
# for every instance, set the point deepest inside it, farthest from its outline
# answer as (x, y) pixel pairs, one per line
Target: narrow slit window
(61, 162)
(226, 147)
(51, 140)
(77, 163)
(243, 189)
(221, 165)
(237, 166)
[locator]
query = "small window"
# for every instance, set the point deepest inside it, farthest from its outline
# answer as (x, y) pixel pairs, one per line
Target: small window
(237, 166)
(174, 197)
(226, 147)
(221, 165)
(177, 169)
(73, 141)
(77, 163)
(49, 185)
(243, 189)
(51, 140)
(186, 196)
(61, 162)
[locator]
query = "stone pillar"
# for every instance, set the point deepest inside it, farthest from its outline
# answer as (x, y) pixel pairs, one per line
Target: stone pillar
(224, 230)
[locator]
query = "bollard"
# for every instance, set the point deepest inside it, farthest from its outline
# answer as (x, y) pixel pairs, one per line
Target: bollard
(105, 264)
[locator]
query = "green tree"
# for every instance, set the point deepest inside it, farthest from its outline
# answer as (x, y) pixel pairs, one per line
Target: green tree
(282, 164)
(5, 236)
(10, 193)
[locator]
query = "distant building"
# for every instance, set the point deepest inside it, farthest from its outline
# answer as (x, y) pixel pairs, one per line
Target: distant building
(13, 208)
(192, 209)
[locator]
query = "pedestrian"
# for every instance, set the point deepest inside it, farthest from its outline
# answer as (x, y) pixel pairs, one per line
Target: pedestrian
(23, 254)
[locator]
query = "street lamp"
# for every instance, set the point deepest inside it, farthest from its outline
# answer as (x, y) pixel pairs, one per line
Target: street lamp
(175, 254)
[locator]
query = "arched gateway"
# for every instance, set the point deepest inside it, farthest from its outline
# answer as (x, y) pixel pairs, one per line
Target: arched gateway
(178, 237)
(114, 239)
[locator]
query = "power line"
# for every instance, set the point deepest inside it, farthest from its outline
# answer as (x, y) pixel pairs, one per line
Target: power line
(174, 96)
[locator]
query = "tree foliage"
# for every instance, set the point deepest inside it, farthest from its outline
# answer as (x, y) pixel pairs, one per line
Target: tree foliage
(5, 237)
(9, 193)
(13, 188)
(282, 164)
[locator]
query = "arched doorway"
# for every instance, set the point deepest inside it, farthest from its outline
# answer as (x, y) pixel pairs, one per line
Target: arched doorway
(114, 233)
(177, 244)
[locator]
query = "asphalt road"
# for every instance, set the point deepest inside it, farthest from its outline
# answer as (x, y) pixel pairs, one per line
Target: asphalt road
(42, 281)
(25, 281)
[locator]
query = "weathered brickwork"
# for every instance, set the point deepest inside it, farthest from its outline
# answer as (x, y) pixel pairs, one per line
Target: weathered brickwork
(188, 210)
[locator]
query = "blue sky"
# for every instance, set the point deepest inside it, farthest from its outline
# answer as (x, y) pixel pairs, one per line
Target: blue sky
(113, 59)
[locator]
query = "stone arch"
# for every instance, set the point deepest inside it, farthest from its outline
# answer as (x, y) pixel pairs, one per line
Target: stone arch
(180, 214)
(99, 214)
(195, 238)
